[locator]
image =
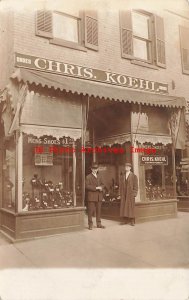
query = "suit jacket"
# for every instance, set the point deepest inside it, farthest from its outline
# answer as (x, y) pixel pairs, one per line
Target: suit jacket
(128, 192)
(90, 184)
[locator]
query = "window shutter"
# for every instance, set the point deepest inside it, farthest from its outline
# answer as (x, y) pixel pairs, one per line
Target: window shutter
(184, 43)
(126, 32)
(44, 23)
(91, 30)
(160, 42)
(82, 27)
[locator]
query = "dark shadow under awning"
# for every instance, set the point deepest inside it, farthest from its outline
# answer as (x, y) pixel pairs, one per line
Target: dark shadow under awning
(101, 90)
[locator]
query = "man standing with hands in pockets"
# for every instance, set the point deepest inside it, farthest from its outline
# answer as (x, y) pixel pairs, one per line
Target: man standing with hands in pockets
(94, 187)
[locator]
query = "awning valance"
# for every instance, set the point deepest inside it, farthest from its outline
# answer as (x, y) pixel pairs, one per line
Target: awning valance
(140, 138)
(56, 132)
(109, 141)
(154, 139)
(101, 90)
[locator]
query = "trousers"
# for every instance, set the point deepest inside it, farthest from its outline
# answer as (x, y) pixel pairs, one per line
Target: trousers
(94, 208)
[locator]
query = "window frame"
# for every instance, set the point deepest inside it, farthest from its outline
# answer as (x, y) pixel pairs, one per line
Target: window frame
(148, 41)
(66, 43)
(5, 173)
(184, 65)
(157, 53)
(76, 198)
(44, 29)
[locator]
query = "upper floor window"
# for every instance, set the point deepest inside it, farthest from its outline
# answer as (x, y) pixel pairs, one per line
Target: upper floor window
(66, 27)
(142, 37)
(184, 43)
(142, 42)
(70, 31)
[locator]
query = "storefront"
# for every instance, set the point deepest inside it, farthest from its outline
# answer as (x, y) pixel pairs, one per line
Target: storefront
(43, 162)
(50, 120)
(141, 135)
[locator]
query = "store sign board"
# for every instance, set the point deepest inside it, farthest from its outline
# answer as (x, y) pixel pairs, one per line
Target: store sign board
(154, 160)
(72, 70)
(49, 141)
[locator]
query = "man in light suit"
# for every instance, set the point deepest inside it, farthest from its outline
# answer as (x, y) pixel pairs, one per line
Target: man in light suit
(94, 187)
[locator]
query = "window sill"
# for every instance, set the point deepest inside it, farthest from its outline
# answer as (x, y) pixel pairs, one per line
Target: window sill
(143, 64)
(67, 44)
(185, 72)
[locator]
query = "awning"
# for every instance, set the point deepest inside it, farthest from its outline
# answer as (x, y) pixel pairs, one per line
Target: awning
(101, 90)
(56, 132)
(154, 139)
(140, 138)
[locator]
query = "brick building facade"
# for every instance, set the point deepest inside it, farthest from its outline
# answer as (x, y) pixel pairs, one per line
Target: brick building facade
(144, 51)
(18, 34)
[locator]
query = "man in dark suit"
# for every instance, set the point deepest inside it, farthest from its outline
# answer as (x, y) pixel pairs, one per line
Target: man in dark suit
(94, 187)
(128, 192)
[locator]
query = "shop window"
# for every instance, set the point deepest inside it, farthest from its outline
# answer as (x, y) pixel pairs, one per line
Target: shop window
(9, 173)
(67, 30)
(111, 161)
(52, 173)
(78, 174)
(141, 33)
(182, 171)
(182, 182)
(184, 43)
(159, 177)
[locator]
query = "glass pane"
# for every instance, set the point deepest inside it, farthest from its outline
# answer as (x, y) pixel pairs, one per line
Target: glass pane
(153, 175)
(140, 49)
(65, 27)
(182, 172)
(140, 25)
(159, 178)
(49, 170)
(182, 183)
(111, 161)
(9, 172)
(78, 183)
(168, 171)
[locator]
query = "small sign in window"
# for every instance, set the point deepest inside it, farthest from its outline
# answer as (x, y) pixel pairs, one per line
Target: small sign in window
(44, 158)
(154, 160)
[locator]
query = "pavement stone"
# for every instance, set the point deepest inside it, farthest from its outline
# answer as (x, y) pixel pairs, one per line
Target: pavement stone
(156, 244)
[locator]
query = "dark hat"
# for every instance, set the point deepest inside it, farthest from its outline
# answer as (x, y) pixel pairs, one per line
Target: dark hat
(128, 164)
(94, 165)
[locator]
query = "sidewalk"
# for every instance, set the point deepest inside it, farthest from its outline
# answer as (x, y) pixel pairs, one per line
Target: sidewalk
(158, 244)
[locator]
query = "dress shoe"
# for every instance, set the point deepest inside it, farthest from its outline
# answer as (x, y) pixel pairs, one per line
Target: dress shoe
(101, 226)
(90, 227)
(123, 223)
(132, 224)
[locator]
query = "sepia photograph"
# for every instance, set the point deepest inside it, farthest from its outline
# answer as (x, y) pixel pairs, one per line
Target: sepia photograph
(94, 150)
